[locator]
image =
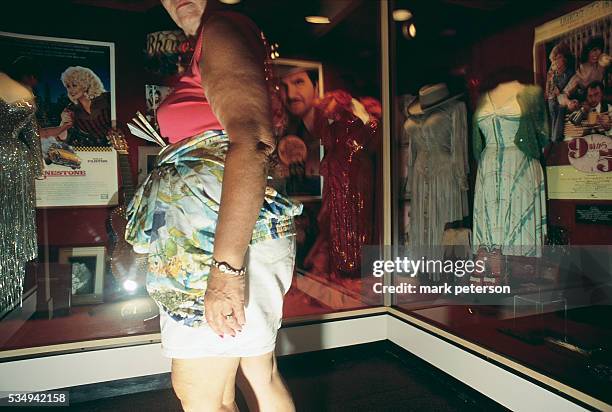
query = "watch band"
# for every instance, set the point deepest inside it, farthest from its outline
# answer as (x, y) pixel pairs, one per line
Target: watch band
(225, 267)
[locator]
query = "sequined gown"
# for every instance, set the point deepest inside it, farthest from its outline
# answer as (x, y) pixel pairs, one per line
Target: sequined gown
(20, 163)
(348, 192)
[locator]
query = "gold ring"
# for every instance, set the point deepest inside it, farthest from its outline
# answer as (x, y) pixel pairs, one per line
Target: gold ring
(228, 316)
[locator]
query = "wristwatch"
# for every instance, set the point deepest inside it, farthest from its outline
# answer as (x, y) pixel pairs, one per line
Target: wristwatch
(225, 267)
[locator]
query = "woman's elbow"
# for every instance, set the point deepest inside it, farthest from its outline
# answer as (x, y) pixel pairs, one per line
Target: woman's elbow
(252, 136)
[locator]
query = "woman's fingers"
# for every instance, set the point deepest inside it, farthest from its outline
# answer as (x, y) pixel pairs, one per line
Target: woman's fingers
(211, 316)
(225, 296)
(223, 324)
(239, 316)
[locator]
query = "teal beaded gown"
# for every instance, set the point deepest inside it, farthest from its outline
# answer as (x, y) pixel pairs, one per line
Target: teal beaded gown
(510, 197)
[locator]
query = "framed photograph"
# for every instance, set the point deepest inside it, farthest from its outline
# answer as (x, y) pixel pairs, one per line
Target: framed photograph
(300, 152)
(146, 160)
(88, 266)
(75, 99)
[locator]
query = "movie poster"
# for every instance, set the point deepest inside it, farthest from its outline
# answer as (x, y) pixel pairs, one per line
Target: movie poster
(572, 63)
(75, 98)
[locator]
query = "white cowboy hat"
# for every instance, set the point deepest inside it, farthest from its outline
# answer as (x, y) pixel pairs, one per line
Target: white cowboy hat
(430, 97)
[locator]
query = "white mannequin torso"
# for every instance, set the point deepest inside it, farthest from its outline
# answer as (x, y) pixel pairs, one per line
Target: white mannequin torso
(12, 91)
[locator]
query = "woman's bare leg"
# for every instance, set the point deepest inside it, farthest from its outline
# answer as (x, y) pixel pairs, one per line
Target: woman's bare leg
(270, 390)
(205, 384)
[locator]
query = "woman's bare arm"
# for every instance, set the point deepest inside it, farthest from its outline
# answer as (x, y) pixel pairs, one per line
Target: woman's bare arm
(233, 79)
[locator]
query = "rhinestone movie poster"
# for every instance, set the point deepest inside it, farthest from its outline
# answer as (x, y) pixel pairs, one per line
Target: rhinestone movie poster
(73, 84)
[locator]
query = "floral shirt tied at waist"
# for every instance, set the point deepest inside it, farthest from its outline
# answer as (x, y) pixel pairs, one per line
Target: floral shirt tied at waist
(173, 217)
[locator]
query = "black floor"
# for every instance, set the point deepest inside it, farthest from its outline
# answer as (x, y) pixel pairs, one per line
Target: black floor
(371, 377)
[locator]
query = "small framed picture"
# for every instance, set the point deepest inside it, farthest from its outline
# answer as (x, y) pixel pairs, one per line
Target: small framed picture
(87, 268)
(146, 160)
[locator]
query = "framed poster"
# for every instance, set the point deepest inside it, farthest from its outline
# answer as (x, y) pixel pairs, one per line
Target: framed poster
(87, 270)
(75, 98)
(571, 56)
(300, 153)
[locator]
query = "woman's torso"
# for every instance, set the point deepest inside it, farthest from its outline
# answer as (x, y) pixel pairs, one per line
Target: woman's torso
(95, 123)
(186, 112)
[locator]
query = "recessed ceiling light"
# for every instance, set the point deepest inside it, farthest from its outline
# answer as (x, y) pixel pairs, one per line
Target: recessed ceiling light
(412, 30)
(230, 1)
(409, 30)
(401, 15)
(317, 19)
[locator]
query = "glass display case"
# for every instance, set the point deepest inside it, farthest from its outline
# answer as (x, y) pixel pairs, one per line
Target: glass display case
(86, 287)
(502, 180)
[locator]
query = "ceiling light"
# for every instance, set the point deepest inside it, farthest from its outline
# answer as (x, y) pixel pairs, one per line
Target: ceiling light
(401, 15)
(409, 30)
(317, 19)
(230, 1)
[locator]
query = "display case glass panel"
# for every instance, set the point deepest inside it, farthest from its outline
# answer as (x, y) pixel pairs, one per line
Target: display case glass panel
(501, 136)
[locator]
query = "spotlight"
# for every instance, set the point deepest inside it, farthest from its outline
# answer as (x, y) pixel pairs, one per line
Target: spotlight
(317, 19)
(409, 30)
(230, 1)
(401, 15)
(130, 285)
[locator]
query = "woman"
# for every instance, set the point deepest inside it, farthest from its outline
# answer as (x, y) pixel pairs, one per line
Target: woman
(89, 111)
(593, 66)
(560, 72)
(201, 235)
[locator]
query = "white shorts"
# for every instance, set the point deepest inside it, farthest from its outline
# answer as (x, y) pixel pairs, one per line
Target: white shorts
(268, 278)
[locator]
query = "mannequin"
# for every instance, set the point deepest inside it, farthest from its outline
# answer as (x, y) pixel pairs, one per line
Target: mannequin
(20, 163)
(435, 165)
(510, 130)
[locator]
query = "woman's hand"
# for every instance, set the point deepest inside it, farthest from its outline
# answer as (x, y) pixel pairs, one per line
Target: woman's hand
(224, 296)
(67, 117)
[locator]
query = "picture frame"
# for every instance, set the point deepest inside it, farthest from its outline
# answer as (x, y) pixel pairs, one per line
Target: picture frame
(146, 160)
(80, 166)
(313, 189)
(88, 266)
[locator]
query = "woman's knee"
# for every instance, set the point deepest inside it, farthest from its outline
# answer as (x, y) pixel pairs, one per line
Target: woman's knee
(260, 370)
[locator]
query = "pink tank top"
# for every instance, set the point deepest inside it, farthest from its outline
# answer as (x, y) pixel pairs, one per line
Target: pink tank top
(185, 112)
